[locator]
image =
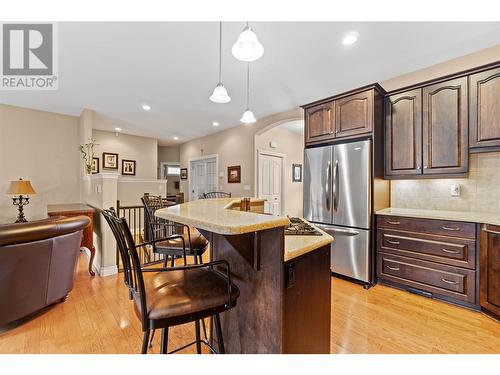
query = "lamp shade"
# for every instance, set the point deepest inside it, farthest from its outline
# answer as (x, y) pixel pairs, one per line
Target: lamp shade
(248, 117)
(247, 47)
(220, 94)
(20, 187)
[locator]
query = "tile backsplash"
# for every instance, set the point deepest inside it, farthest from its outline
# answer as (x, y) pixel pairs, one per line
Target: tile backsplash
(479, 192)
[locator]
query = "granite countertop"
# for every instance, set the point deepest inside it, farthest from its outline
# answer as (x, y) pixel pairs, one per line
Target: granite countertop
(296, 245)
(216, 215)
(466, 216)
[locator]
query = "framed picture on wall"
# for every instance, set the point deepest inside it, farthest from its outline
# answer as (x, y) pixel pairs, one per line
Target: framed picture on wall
(128, 167)
(95, 165)
(109, 160)
(296, 172)
(184, 173)
(234, 174)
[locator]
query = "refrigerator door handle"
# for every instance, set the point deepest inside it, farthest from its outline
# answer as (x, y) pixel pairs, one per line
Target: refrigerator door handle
(336, 185)
(327, 185)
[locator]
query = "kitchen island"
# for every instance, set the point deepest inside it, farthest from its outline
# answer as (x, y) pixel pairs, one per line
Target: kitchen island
(285, 300)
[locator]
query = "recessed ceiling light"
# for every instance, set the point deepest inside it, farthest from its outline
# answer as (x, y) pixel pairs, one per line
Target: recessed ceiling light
(176, 138)
(215, 123)
(118, 129)
(146, 107)
(350, 38)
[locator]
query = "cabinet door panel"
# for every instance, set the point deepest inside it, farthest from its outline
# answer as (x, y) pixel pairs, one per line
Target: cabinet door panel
(490, 269)
(403, 133)
(354, 114)
(445, 127)
(319, 123)
(484, 107)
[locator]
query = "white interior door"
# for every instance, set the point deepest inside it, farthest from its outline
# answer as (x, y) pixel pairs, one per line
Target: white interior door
(203, 177)
(270, 176)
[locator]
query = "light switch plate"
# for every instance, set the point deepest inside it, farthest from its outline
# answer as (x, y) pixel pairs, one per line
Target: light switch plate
(246, 187)
(455, 190)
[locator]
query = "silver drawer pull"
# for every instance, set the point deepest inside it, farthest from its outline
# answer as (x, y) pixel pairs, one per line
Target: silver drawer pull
(392, 222)
(393, 268)
(450, 251)
(449, 281)
(393, 242)
(450, 228)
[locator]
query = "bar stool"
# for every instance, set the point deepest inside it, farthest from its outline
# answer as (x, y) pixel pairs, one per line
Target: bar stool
(165, 297)
(195, 243)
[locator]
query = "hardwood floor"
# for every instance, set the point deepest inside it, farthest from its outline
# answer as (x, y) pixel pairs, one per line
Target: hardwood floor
(98, 318)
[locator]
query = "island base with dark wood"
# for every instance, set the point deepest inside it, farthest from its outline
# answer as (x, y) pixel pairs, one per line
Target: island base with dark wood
(284, 307)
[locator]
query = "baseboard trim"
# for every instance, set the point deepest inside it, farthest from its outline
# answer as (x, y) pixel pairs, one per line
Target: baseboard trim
(96, 267)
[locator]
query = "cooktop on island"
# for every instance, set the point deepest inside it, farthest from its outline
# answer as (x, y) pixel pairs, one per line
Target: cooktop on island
(299, 227)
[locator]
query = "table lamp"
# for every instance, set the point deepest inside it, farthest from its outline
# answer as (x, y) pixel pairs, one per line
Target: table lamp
(20, 191)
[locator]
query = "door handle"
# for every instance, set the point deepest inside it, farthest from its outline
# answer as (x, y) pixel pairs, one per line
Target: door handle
(454, 229)
(393, 242)
(327, 185)
(393, 222)
(449, 251)
(335, 185)
(393, 268)
(449, 281)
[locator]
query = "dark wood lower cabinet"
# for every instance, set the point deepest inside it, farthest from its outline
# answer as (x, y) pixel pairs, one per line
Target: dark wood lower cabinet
(437, 279)
(284, 307)
(433, 258)
(490, 269)
(308, 303)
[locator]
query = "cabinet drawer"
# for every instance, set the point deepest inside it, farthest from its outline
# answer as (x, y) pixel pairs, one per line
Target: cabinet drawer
(456, 283)
(453, 251)
(430, 226)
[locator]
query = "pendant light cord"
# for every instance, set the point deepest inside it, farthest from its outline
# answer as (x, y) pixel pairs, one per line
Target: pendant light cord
(248, 85)
(220, 51)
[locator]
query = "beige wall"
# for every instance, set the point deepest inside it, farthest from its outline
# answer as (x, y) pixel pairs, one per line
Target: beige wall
(41, 147)
(141, 149)
(234, 146)
(461, 63)
(169, 154)
(479, 192)
(292, 146)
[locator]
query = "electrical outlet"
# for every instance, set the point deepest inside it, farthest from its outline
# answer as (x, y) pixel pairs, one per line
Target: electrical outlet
(455, 190)
(246, 187)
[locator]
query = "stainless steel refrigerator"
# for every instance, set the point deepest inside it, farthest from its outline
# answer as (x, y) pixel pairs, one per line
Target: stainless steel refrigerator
(337, 197)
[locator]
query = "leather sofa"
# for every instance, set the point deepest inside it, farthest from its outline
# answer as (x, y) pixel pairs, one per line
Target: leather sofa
(37, 264)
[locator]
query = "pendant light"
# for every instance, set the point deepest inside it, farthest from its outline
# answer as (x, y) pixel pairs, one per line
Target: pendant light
(248, 117)
(220, 93)
(247, 47)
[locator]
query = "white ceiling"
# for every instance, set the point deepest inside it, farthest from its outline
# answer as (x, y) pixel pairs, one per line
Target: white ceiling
(114, 67)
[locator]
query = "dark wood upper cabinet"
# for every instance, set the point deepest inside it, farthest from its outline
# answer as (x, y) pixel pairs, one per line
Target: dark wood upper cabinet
(403, 133)
(490, 269)
(484, 107)
(445, 127)
(319, 123)
(354, 114)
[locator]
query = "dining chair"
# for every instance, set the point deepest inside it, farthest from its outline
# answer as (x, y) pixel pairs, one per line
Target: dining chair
(216, 194)
(166, 297)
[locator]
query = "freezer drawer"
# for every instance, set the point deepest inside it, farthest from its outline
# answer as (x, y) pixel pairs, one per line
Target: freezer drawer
(350, 254)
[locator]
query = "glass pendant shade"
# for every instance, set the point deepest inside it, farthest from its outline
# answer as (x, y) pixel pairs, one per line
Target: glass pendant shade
(247, 47)
(248, 117)
(220, 94)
